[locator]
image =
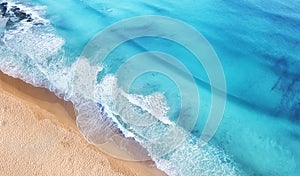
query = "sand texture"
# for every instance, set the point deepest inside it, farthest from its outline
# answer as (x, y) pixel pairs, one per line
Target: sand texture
(38, 136)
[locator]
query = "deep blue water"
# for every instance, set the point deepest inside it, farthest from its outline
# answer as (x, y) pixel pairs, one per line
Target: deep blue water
(258, 44)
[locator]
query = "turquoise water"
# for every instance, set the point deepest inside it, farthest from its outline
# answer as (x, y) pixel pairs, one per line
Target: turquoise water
(258, 44)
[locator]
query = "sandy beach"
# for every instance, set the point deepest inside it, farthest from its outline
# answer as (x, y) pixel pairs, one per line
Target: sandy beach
(38, 136)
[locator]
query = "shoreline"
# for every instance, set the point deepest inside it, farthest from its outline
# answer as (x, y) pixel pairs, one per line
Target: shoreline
(60, 114)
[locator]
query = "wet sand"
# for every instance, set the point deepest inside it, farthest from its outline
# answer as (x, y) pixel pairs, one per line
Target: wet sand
(38, 136)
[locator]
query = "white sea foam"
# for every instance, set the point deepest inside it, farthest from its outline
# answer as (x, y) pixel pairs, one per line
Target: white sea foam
(84, 78)
(191, 159)
(26, 50)
(134, 109)
(173, 149)
(155, 104)
(35, 12)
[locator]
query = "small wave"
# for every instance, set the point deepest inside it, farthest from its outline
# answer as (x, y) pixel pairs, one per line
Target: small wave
(20, 18)
(28, 42)
(168, 145)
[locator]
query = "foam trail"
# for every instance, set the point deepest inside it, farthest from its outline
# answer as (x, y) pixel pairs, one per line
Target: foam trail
(26, 47)
(94, 121)
(160, 139)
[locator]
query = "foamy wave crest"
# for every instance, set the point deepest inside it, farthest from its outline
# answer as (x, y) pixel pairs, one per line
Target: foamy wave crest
(84, 78)
(132, 108)
(201, 161)
(168, 145)
(20, 18)
(28, 46)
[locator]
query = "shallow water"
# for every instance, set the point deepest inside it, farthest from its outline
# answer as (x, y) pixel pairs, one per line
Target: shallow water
(258, 44)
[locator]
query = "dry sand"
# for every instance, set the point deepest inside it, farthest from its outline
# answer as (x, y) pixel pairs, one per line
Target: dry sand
(38, 136)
